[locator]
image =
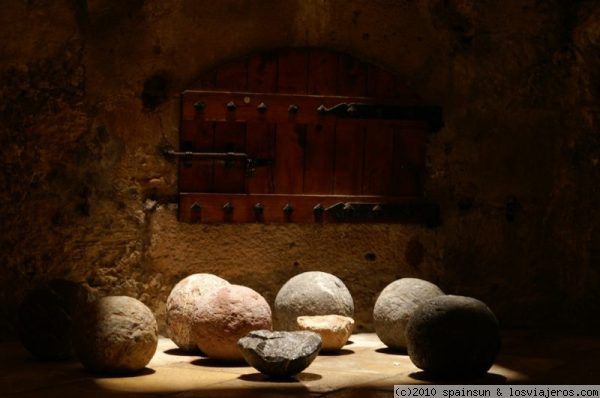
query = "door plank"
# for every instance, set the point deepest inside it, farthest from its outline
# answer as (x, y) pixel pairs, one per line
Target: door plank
(260, 144)
(381, 84)
(352, 76)
(233, 76)
(322, 72)
(319, 159)
(262, 73)
(302, 205)
(290, 142)
(230, 176)
(292, 72)
(349, 157)
(379, 154)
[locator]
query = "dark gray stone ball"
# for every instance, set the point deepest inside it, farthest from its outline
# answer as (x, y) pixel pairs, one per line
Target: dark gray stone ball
(453, 337)
(45, 318)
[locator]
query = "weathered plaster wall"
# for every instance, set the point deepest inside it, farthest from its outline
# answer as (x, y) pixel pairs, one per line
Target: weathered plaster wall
(85, 195)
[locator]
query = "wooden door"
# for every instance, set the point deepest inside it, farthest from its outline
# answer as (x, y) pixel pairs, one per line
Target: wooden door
(302, 136)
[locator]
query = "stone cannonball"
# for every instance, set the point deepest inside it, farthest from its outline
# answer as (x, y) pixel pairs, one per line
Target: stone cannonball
(311, 293)
(225, 316)
(181, 306)
(115, 334)
(453, 336)
(395, 305)
(45, 318)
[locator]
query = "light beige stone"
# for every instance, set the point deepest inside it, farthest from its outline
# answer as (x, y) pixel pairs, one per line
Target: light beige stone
(115, 334)
(334, 329)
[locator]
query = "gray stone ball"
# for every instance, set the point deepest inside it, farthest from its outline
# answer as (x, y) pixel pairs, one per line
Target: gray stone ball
(311, 293)
(181, 306)
(395, 305)
(115, 334)
(453, 337)
(225, 316)
(45, 318)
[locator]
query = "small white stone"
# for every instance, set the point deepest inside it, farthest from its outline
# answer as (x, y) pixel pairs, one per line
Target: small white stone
(334, 329)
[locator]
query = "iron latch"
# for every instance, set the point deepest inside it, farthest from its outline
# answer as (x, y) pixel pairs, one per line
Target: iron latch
(230, 158)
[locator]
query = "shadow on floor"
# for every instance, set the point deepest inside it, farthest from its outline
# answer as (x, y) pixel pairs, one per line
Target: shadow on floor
(392, 351)
(259, 377)
(184, 353)
(216, 363)
(488, 378)
(336, 353)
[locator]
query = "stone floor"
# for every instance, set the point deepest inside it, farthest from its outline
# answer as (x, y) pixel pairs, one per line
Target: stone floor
(364, 368)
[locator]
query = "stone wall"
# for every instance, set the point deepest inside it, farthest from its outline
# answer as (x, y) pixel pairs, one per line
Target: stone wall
(88, 92)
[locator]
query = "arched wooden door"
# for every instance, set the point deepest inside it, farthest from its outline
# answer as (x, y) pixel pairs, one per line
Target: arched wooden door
(302, 136)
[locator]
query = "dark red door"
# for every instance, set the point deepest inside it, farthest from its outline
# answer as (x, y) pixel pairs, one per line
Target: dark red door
(302, 136)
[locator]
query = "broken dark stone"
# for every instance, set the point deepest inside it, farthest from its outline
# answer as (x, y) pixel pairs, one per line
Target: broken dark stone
(280, 354)
(453, 336)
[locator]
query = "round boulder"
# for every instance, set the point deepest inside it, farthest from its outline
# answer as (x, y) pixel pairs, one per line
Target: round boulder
(453, 336)
(227, 315)
(311, 293)
(45, 318)
(395, 305)
(115, 334)
(181, 306)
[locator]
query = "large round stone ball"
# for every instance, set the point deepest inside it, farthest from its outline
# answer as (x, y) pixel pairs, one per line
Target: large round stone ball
(395, 305)
(181, 306)
(453, 336)
(311, 293)
(115, 334)
(45, 317)
(225, 316)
